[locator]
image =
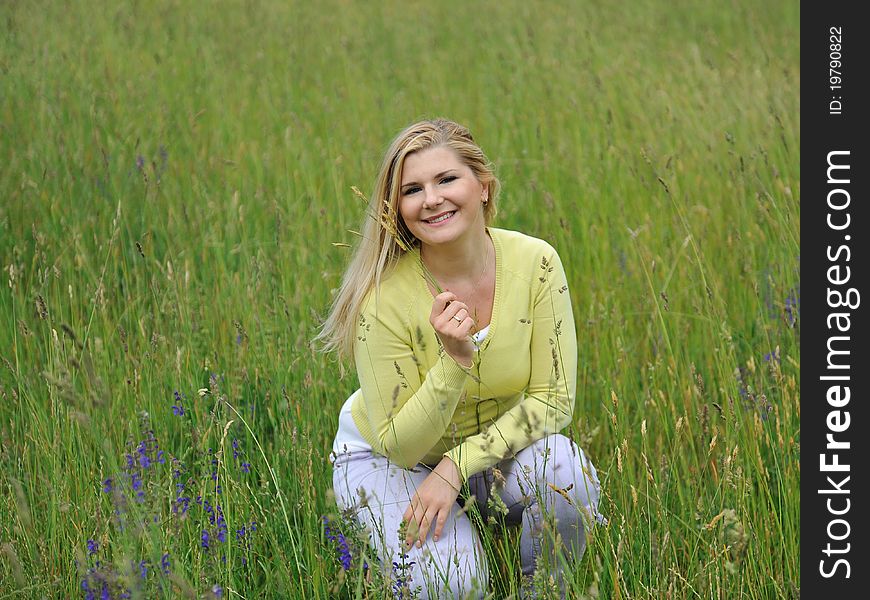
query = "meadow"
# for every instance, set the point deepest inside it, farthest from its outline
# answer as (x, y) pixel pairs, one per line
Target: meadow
(175, 197)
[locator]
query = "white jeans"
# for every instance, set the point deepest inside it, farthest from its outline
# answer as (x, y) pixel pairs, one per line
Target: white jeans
(549, 478)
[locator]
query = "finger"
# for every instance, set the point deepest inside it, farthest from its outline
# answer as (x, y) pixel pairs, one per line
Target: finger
(439, 525)
(443, 300)
(455, 307)
(440, 302)
(410, 520)
(427, 520)
(460, 316)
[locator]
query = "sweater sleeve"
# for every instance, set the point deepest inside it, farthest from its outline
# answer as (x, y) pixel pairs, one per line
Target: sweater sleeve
(406, 415)
(547, 405)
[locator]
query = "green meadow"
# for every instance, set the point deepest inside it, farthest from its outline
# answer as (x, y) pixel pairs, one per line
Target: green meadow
(175, 200)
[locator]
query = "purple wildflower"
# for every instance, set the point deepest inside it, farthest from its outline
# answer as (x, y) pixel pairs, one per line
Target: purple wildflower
(164, 564)
(221, 524)
(93, 546)
(341, 546)
(205, 538)
(89, 593)
(181, 503)
(402, 577)
(107, 485)
(218, 591)
(144, 459)
(246, 467)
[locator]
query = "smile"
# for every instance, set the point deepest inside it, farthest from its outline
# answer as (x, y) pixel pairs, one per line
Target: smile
(440, 219)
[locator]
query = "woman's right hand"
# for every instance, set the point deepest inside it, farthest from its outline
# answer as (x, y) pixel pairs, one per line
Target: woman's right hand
(453, 325)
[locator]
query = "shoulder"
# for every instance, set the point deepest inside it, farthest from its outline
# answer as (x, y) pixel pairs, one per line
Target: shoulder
(521, 251)
(397, 288)
(519, 242)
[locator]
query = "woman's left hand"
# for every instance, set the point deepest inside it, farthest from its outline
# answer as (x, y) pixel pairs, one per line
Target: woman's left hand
(432, 503)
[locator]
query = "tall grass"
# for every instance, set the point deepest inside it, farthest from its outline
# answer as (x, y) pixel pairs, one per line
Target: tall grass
(173, 175)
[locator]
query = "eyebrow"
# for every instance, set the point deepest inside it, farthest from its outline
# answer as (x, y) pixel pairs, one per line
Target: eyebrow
(441, 174)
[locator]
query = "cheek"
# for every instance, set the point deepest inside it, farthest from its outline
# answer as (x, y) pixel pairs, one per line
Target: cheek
(407, 209)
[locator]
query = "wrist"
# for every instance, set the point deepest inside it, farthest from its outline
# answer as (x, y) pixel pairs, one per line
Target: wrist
(462, 361)
(452, 470)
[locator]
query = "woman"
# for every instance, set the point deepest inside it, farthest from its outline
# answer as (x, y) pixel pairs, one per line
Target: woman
(464, 343)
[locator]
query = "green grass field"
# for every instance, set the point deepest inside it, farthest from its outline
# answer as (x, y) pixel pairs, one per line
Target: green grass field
(173, 176)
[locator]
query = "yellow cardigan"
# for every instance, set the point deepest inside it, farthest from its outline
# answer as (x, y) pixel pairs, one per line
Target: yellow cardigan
(417, 404)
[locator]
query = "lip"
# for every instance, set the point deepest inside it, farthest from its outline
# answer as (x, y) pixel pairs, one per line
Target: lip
(448, 212)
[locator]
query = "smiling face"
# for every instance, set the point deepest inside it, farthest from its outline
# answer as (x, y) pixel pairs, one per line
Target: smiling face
(440, 198)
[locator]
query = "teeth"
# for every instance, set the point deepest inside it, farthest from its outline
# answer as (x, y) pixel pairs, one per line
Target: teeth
(439, 219)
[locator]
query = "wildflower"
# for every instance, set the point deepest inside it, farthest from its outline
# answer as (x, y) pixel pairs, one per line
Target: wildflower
(92, 547)
(221, 524)
(89, 593)
(143, 570)
(344, 555)
(182, 503)
(164, 564)
(240, 533)
(205, 539)
(246, 467)
(107, 485)
(144, 459)
(202, 392)
(402, 577)
(178, 410)
(136, 482)
(217, 590)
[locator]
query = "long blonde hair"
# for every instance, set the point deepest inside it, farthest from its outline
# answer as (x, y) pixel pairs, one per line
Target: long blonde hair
(379, 249)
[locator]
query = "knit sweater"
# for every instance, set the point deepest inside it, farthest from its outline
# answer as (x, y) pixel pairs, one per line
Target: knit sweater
(418, 404)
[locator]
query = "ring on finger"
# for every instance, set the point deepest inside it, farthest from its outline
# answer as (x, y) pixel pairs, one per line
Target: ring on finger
(457, 319)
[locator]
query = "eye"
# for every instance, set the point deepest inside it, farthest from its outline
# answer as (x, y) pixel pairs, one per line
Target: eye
(410, 190)
(448, 179)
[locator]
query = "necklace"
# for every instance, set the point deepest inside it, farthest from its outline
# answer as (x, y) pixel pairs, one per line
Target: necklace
(483, 271)
(473, 309)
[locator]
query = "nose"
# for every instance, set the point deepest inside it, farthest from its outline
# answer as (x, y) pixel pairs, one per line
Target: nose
(432, 198)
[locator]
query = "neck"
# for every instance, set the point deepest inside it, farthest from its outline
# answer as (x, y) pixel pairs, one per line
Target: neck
(462, 260)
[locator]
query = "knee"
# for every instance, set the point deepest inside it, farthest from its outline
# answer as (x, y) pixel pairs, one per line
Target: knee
(566, 468)
(555, 458)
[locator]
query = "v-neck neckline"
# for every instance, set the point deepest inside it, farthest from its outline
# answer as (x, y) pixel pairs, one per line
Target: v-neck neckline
(496, 296)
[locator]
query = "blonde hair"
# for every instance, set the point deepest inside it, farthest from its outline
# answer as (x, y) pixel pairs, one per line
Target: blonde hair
(379, 249)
